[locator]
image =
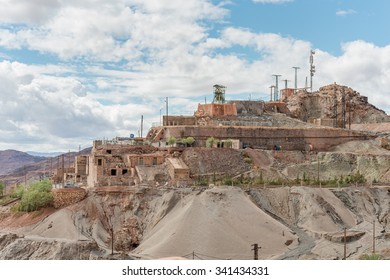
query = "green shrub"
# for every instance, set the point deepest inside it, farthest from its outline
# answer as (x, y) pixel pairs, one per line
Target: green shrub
(202, 181)
(276, 182)
(371, 257)
(18, 191)
(171, 140)
(228, 143)
(36, 196)
(210, 142)
(2, 188)
(190, 140)
(228, 181)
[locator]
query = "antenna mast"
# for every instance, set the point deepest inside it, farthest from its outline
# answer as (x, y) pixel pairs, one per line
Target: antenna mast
(296, 77)
(312, 69)
(277, 87)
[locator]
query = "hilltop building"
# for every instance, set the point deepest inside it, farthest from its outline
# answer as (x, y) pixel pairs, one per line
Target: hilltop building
(237, 124)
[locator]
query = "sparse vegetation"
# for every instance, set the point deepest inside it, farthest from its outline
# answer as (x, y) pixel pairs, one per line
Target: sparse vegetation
(2, 188)
(371, 257)
(171, 140)
(202, 181)
(190, 140)
(36, 196)
(228, 143)
(305, 180)
(18, 191)
(210, 142)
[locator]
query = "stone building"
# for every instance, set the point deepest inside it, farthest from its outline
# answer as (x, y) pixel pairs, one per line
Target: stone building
(114, 164)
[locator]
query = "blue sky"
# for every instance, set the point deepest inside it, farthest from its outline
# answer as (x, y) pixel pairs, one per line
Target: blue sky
(76, 70)
(325, 23)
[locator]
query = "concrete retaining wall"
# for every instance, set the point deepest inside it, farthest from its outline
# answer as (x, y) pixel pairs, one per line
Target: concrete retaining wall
(267, 137)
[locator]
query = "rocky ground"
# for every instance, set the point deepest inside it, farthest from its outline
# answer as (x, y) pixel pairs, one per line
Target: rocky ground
(219, 222)
(294, 204)
(289, 220)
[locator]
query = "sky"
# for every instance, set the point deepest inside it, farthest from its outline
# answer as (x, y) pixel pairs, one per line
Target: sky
(72, 71)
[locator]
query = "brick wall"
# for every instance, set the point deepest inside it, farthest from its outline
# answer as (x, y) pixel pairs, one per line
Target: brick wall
(214, 110)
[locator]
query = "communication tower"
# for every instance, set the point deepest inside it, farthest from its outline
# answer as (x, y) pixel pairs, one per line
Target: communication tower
(312, 69)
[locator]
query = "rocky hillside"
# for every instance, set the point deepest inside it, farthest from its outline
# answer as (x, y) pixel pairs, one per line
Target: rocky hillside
(204, 223)
(20, 164)
(328, 103)
(10, 160)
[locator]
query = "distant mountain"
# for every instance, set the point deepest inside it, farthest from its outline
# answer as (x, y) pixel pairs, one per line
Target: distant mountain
(17, 167)
(42, 154)
(11, 160)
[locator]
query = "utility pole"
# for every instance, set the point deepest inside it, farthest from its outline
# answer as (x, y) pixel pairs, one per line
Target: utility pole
(335, 107)
(345, 243)
(58, 168)
(373, 236)
(255, 250)
(318, 169)
(349, 111)
(343, 107)
(286, 83)
(272, 92)
(25, 176)
(63, 170)
(112, 240)
(312, 69)
(285, 88)
(166, 121)
(296, 77)
(142, 124)
(277, 87)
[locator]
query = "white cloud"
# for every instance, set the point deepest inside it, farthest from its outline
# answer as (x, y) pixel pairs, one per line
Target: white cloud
(120, 59)
(28, 11)
(41, 109)
(362, 66)
(108, 31)
(342, 13)
(272, 1)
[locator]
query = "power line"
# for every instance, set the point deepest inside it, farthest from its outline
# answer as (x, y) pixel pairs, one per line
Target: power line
(211, 257)
(194, 254)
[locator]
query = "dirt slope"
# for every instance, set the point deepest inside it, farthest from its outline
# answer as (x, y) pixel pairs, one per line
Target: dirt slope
(221, 222)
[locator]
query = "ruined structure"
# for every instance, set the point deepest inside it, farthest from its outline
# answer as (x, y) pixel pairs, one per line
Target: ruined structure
(115, 164)
(229, 124)
(123, 163)
(251, 123)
